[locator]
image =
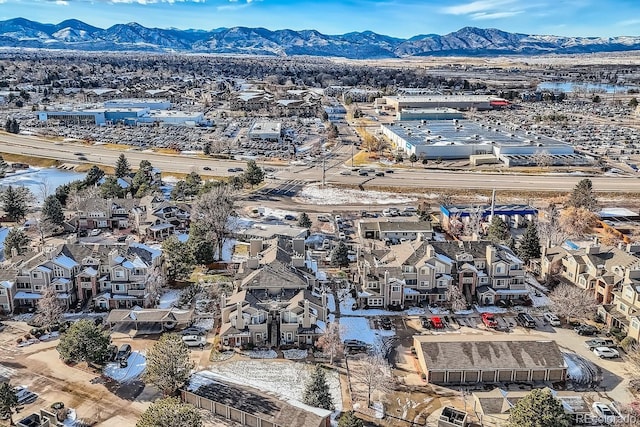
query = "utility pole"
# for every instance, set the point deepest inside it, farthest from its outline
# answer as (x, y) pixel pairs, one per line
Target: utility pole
(352, 142)
(493, 202)
(323, 171)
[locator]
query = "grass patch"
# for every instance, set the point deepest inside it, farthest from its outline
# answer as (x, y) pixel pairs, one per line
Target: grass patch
(108, 170)
(166, 150)
(119, 147)
(30, 160)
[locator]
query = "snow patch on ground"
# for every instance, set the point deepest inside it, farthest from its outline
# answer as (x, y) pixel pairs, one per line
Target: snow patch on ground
(295, 354)
(204, 323)
(260, 354)
(347, 301)
(331, 303)
(284, 378)
(358, 328)
(315, 194)
(169, 299)
(136, 364)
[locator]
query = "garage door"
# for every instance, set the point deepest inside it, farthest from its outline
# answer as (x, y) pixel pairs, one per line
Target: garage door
(522, 375)
(455, 377)
(471, 377)
(488, 376)
(504, 376)
(538, 375)
(436, 377)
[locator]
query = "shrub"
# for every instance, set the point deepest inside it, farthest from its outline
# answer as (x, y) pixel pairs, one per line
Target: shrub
(627, 343)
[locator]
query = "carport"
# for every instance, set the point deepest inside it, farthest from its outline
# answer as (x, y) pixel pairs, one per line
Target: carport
(148, 321)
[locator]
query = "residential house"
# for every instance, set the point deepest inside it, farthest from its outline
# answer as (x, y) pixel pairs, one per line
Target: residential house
(600, 270)
(395, 230)
(7, 292)
(104, 213)
(158, 219)
(273, 303)
(418, 272)
(108, 276)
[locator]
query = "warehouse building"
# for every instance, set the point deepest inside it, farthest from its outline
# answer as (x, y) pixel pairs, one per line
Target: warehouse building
(459, 102)
(442, 113)
(127, 115)
(266, 131)
(465, 139)
(465, 359)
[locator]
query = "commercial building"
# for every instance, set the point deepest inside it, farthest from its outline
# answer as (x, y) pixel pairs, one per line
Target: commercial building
(266, 131)
(465, 359)
(515, 216)
(127, 115)
(461, 139)
(148, 103)
(442, 113)
(460, 102)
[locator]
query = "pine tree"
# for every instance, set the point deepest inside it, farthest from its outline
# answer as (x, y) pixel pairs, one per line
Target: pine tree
(170, 411)
(254, 174)
(84, 341)
(498, 230)
(7, 125)
(93, 176)
(15, 202)
(349, 419)
(122, 167)
(413, 158)
(16, 239)
(530, 243)
(582, 196)
(340, 255)
(52, 211)
(15, 127)
(110, 188)
(8, 401)
(4, 166)
(539, 408)
(168, 364)
(317, 392)
(304, 221)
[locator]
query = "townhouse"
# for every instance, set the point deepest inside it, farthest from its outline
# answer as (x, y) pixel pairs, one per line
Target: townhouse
(274, 303)
(418, 272)
(107, 276)
(104, 213)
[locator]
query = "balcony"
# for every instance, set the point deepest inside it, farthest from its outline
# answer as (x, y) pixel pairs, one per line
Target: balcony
(136, 292)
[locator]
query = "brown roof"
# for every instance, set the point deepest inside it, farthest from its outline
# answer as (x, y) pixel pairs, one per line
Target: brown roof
(489, 352)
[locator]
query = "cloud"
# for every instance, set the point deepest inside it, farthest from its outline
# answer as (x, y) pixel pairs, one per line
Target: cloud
(236, 4)
(628, 22)
(62, 2)
(478, 6)
(495, 15)
(143, 2)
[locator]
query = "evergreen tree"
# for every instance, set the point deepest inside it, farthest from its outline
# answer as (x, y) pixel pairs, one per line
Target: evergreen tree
(413, 158)
(582, 196)
(539, 408)
(169, 364)
(52, 211)
(349, 419)
(94, 175)
(15, 127)
(122, 167)
(84, 341)
(317, 392)
(4, 167)
(530, 243)
(206, 149)
(142, 180)
(7, 125)
(304, 221)
(8, 401)
(254, 174)
(179, 191)
(340, 255)
(170, 411)
(110, 188)
(193, 183)
(498, 230)
(16, 239)
(178, 259)
(15, 202)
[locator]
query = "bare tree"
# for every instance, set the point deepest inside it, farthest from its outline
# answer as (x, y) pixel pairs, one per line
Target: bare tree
(444, 199)
(77, 198)
(213, 212)
(154, 283)
(550, 228)
(330, 342)
(456, 298)
(571, 302)
(48, 309)
(456, 226)
(474, 224)
(543, 158)
(577, 221)
(373, 371)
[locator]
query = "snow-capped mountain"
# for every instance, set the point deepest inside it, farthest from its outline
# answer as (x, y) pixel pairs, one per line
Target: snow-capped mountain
(74, 34)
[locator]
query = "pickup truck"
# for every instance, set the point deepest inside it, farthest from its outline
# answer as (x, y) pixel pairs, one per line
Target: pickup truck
(489, 320)
(599, 342)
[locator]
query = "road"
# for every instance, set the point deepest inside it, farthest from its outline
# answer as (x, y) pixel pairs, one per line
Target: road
(415, 178)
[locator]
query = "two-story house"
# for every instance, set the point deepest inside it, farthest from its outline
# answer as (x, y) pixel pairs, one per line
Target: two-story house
(7, 291)
(158, 219)
(273, 303)
(599, 270)
(422, 272)
(104, 213)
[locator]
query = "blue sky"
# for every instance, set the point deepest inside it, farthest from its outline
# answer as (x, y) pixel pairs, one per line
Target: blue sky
(400, 18)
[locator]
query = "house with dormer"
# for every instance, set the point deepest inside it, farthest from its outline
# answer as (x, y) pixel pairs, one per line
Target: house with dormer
(102, 213)
(157, 219)
(107, 276)
(274, 303)
(414, 273)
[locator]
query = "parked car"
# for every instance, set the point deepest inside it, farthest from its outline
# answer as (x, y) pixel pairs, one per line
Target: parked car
(526, 320)
(552, 319)
(207, 168)
(194, 341)
(599, 342)
(425, 323)
(606, 353)
(355, 346)
(290, 217)
(193, 330)
(124, 352)
(345, 173)
(436, 322)
(489, 320)
(363, 173)
(95, 232)
(386, 323)
(586, 330)
(323, 218)
(379, 173)
(24, 396)
(603, 412)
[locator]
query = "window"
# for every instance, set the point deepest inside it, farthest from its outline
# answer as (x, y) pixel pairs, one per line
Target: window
(424, 283)
(623, 308)
(499, 269)
(635, 324)
(58, 271)
(628, 293)
(120, 288)
(395, 288)
(119, 273)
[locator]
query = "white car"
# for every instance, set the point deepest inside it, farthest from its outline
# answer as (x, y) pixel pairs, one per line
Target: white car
(345, 173)
(552, 319)
(95, 232)
(606, 353)
(603, 412)
(194, 341)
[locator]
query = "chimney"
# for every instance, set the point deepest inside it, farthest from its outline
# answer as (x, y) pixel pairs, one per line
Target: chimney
(491, 254)
(14, 252)
(306, 319)
(255, 247)
(593, 249)
(239, 318)
(325, 308)
(298, 246)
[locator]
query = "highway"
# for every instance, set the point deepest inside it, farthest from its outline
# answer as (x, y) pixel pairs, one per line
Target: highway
(415, 178)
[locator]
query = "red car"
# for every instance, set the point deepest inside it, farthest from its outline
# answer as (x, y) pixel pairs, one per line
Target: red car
(436, 322)
(489, 320)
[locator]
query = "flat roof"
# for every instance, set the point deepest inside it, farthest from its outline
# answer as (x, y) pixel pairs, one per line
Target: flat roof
(511, 209)
(463, 132)
(490, 352)
(443, 98)
(266, 127)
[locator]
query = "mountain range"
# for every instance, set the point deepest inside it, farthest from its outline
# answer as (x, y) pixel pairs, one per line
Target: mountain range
(77, 35)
